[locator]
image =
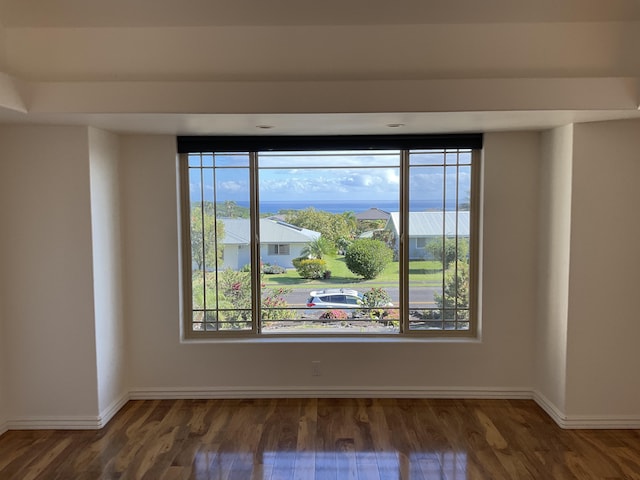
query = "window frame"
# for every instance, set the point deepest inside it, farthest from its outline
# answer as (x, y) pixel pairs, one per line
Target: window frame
(277, 247)
(188, 145)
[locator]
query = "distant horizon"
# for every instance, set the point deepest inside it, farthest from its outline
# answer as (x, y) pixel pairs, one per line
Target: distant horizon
(340, 206)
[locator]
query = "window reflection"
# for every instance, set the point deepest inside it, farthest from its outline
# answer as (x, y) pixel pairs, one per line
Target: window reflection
(342, 463)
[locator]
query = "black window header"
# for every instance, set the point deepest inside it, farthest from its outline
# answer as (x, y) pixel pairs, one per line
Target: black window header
(193, 144)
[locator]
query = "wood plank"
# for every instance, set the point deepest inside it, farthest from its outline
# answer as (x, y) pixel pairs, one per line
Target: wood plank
(317, 439)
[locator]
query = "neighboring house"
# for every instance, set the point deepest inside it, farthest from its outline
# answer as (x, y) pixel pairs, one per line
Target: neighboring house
(426, 226)
(372, 214)
(280, 242)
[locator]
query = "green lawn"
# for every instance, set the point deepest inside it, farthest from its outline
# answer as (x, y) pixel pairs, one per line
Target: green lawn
(421, 272)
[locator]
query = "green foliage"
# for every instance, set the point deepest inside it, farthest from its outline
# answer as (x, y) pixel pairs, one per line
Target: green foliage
(386, 236)
(204, 251)
(318, 248)
(342, 244)
(456, 287)
(273, 269)
(230, 209)
(367, 258)
(373, 300)
(274, 305)
(310, 267)
(369, 225)
(332, 226)
(235, 287)
(234, 290)
(434, 247)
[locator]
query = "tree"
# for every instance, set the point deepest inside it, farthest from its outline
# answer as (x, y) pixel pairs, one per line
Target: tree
(456, 289)
(318, 248)
(452, 250)
(205, 251)
(332, 226)
(367, 258)
(386, 236)
(231, 209)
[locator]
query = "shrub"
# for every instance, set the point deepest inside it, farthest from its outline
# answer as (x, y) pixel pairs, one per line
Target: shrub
(311, 268)
(374, 300)
(274, 305)
(334, 315)
(452, 250)
(367, 257)
(273, 269)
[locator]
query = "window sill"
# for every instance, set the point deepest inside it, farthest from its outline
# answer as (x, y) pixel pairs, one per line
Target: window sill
(290, 339)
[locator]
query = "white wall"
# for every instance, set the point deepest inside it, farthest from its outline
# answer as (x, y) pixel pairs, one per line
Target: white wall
(46, 278)
(3, 62)
(553, 274)
(4, 415)
(107, 269)
(160, 362)
(603, 330)
(325, 52)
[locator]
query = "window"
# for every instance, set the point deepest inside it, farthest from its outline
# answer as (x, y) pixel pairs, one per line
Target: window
(279, 249)
(273, 245)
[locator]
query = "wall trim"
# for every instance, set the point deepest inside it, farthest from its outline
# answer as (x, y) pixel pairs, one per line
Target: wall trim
(153, 393)
(173, 393)
(577, 422)
(108, 413)
(55, 423)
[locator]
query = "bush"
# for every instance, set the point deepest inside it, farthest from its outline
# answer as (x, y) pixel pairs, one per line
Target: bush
(367, 257)
(273, 269)
(334, 315)
(374, 300)
(310, 268)
(452, 250)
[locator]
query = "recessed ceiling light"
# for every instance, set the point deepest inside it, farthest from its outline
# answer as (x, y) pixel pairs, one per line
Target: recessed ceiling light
(395, 125)
(264, 127)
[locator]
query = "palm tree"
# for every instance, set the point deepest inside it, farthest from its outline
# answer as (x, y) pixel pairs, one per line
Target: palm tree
(318, 248)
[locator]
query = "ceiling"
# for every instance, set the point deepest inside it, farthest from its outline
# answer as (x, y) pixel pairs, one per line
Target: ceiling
(82, 61)
(154, 13)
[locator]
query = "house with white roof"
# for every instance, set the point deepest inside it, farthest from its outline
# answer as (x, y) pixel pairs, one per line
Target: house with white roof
(427, 226)
(280, 242)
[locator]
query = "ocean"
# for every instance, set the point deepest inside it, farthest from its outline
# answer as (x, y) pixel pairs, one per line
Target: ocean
(354, 206)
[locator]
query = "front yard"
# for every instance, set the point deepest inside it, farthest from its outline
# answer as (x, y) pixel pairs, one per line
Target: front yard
(421, 273)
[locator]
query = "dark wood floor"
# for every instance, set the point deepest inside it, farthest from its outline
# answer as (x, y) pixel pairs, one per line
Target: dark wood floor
(324, 439)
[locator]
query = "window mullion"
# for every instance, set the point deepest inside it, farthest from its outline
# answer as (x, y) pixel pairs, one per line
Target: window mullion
(403, 254)
(256, 270)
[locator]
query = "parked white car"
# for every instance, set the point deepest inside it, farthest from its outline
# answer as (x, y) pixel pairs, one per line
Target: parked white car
(334, 298)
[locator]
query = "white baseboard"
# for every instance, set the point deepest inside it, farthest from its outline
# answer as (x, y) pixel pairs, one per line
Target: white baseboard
(109, 412)
(170, 393)
(576, 422)
(328, 392)
(55, 423)
(66, 422)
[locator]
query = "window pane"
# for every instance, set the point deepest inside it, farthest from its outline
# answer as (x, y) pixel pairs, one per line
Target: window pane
(328, 229)
(309, 205)
(426, 189)
(432, 157)
(232, 160)
(218, 245)
(365, 158)
(439, 272)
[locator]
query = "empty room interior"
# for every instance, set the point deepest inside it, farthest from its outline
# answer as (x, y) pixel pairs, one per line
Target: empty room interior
(94, 95)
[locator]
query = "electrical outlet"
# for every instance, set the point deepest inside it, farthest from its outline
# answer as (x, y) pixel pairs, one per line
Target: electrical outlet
(315, 368)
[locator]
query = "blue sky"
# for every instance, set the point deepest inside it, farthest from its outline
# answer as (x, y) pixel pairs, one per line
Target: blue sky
(330, 177)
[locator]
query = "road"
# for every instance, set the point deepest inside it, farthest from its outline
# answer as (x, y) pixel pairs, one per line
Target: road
(420, 296)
